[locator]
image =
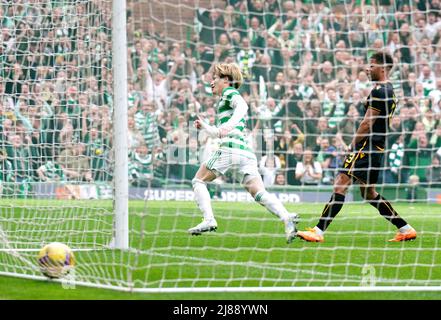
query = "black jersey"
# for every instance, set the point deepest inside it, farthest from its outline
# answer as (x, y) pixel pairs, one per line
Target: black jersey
(382, 99)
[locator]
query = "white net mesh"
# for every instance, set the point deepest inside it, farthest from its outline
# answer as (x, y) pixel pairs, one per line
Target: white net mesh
(305, 83)
(56, 131)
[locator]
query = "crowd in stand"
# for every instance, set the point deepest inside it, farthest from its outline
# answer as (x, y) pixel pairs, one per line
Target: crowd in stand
(55, 92)
(305, 82)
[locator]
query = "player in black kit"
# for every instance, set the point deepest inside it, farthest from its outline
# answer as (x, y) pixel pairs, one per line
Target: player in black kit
(364, 161)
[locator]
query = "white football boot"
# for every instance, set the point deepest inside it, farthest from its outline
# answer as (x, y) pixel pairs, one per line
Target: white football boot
(291, 227)
(204, 226)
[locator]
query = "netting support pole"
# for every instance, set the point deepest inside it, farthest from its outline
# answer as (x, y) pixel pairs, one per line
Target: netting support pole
(121, 186)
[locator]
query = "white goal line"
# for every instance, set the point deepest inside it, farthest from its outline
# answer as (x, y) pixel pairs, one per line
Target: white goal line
(290, 289)
(38, 249)
(236, 289)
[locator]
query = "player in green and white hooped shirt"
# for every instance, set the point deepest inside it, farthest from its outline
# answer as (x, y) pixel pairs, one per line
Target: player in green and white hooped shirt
(233, 153)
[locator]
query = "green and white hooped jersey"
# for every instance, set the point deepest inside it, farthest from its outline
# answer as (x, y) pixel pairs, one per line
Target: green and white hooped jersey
(235, 141)
(140, 166)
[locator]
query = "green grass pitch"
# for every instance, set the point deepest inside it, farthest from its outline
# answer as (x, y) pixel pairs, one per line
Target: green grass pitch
(248, 249)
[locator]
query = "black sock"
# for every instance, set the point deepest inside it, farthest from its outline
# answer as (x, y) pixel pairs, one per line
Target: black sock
(331, 210)
(386, 210)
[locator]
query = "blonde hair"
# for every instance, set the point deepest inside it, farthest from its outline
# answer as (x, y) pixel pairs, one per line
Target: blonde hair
(230, 71)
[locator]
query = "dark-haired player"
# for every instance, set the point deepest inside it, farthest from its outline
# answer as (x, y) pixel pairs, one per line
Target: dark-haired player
(364, 162)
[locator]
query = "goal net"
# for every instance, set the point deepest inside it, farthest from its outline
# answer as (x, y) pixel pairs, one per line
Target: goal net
(305, 82)
(56, 145)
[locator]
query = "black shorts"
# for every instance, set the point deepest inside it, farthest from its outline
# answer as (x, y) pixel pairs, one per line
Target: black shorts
(364, 165)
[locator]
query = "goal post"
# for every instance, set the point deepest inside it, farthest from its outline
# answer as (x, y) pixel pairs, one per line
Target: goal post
(119, 60)
(63, 142)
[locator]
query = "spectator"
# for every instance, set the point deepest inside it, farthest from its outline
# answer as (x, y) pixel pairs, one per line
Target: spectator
(146, 122)
(281, 146)
(427, 79)
(415, 191)
(227, 52)
(280, 179)
(135, 137)
(362, 82)
(235, 21)
(309, 171)
(255, 33)
(409, 117)
(433, 172)
(268, 166)
(272, 49)
(97, 150)
(429, 121)
(19, 155)
(395, 131)
(306, 90)
(51, 172)
(276, 89)
(435, 96)
(212, 25)
(75, 163)
(394, 161)
(6, 171)
(324, 157)
(313, 114)
(333, 108)
(294, 156)
(192, 161)
(349, 124)
(326, 74)
(7, 131)
(157, 86)
(262, 71)
(435, 139)
(433, 26)
(419, 156)
(323, 130)
(246, 58)
(141, 167)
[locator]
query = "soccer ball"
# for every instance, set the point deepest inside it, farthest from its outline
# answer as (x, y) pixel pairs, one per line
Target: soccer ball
(56, 260)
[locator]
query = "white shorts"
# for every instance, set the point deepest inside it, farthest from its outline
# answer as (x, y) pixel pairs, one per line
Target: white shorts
(224, 160)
